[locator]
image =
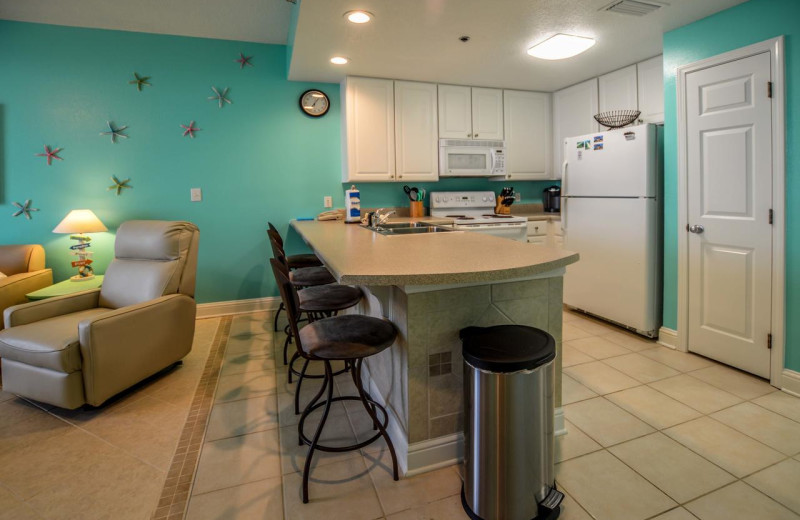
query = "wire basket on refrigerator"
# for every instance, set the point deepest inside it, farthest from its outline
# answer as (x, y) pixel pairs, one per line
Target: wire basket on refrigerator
(617, 118)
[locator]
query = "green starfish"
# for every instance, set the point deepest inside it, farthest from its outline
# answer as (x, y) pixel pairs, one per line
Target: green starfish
(119, 185)
(139, 81)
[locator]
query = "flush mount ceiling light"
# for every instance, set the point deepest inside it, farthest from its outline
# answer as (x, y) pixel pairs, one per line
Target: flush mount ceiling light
(561, 46)
(358, 16)
(339, 60)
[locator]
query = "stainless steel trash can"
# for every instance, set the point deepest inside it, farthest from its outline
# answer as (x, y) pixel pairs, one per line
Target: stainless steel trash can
(509, 469)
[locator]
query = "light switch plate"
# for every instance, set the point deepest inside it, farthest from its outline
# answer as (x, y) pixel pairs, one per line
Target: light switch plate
(328, 201)
(197, 194)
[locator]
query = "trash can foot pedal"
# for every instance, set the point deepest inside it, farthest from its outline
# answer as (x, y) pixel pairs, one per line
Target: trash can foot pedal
(545, 512)
(553, 499)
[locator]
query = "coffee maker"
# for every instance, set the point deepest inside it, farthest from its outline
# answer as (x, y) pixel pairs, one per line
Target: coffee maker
(551, 198)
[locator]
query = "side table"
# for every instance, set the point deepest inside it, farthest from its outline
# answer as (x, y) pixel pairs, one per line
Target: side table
(66, 287)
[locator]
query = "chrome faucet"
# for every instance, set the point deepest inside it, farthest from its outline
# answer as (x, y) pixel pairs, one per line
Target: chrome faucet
(379, 219)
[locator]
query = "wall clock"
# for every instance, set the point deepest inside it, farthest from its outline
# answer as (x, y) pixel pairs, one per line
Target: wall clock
(314, 103)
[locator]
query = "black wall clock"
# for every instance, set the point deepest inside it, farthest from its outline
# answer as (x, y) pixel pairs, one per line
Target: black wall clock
(314, 103)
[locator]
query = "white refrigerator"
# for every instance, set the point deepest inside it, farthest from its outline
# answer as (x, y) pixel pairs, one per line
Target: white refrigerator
(611, 207)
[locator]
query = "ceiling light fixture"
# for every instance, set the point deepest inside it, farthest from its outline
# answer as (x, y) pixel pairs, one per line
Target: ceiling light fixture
(561, 46)
(339, 60)
(358, 16)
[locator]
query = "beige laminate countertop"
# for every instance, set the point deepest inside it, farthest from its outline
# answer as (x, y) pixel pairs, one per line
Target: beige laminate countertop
(359, 256)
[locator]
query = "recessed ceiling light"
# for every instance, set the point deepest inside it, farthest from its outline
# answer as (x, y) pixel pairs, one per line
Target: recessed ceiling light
(561, 46)
(339, 60)
(358, 16)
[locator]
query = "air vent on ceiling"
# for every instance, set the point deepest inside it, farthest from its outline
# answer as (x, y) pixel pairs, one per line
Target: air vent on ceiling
(633, 7)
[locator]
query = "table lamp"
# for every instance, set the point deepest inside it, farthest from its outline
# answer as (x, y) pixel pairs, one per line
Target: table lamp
(81, 221)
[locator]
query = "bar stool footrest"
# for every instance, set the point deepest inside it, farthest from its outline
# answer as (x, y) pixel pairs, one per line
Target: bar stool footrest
(338, 449)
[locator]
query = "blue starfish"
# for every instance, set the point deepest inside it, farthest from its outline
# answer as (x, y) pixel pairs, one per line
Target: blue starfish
(119, 185)
(24, 209)
(115, 132)
(220, 96)
(140, 81)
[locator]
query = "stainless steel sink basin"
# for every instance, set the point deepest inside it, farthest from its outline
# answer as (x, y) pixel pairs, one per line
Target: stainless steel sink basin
(407, 228)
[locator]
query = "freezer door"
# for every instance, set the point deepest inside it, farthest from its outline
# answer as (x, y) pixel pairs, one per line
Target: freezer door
(618, 275)
(621, 163)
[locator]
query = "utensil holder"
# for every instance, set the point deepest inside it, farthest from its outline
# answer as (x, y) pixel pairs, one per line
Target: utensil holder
(417, 209)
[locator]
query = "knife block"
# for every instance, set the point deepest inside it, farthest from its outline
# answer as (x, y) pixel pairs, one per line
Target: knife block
(500, 209)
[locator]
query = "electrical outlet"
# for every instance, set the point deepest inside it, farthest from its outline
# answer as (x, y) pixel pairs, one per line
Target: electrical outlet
(518, 197)
(197, 194)
(328, 201)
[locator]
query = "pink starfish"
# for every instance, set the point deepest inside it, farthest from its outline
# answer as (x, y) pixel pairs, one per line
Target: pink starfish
(50, 154)
(244, 60)
(190, 130)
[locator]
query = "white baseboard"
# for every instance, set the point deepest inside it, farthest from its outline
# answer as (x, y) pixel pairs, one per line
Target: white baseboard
(668, 337)
(435, 453)
(559, 425)
(209, 310)
(790, 382)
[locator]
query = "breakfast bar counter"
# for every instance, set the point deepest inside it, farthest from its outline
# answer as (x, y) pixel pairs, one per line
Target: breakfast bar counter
(431, 285)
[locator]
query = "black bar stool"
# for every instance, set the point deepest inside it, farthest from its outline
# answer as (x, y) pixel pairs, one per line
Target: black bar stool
(294, 261)
(318, 302)
(350, 338)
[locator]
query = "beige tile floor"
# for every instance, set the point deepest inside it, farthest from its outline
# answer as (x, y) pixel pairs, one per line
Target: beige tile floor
(92, 463)
(653, 434)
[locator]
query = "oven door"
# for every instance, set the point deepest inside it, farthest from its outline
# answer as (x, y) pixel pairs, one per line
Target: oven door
(465, 161)
(518, 232)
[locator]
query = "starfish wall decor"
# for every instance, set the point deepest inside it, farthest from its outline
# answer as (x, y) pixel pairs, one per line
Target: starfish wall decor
(244, 60)
(140, 81)
(222, 97)
(190, 129)
(115, 132)
(24, 209)
(119, 185)
(50, 154)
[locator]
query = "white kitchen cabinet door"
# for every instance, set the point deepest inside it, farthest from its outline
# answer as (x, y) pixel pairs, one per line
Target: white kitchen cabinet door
(368, 130)
(651, 89)
(537, 240)
(574, 109)
(487, 113)
(416, 130)
(617, 90)
(455, 112)
(527, 123)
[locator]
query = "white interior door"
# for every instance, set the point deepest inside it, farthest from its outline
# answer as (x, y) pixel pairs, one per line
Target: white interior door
(729, 164)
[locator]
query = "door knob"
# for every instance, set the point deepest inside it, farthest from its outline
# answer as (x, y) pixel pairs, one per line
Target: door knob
(696, 229)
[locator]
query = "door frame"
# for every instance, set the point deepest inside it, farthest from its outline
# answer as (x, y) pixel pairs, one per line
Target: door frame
(775, 47)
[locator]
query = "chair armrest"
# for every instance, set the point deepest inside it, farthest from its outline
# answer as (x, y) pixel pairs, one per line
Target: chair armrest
(51, 307)
(14, 288)
(126, 345)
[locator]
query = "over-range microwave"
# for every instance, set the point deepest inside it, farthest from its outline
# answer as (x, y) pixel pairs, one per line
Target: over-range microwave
(471, 158)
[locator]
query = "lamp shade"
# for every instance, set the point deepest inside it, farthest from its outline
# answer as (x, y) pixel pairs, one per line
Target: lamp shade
(80, 221)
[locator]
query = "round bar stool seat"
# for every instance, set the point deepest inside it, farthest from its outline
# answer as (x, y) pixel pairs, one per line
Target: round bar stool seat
(303, 260)
(351, 336)
(328, 298)
(311, 276)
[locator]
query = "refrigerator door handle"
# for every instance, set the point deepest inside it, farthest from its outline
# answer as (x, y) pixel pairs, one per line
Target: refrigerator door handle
(564, 214)
(564, 178)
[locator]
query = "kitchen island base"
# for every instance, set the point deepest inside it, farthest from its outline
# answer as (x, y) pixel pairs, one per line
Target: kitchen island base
(420, 378)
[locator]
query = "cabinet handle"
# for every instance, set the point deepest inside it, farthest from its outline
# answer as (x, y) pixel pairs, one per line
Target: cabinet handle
(399, 176)
(469, 135)
(476, 135)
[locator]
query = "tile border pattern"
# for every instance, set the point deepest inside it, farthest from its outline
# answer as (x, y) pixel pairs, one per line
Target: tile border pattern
(177, 486)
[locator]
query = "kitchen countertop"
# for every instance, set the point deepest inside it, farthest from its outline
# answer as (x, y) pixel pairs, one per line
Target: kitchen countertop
(358, 256)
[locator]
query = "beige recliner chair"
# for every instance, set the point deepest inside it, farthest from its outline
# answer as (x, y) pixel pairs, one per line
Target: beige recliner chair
(89, 346)
(23, 266)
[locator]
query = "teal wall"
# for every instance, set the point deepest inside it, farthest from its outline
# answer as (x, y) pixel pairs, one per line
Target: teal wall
(745, 24)
(257, 160)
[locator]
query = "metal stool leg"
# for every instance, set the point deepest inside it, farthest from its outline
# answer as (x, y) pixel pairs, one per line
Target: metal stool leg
(307, 468)
(358, 385)
(280, 308)
(299, 385)
(371, 412)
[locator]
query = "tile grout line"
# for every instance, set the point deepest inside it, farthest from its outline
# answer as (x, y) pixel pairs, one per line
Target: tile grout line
(176, 491)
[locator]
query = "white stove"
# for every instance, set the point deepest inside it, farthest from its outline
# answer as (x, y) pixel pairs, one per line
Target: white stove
(474, 211)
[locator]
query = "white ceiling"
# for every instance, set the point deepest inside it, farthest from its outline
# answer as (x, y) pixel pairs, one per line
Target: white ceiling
(418, 39)
(265, 21)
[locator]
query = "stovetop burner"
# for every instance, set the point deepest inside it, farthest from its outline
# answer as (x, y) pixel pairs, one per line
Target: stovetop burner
(460, 217)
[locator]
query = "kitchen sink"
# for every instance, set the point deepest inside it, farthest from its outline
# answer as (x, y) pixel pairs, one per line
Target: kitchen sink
(407, 228)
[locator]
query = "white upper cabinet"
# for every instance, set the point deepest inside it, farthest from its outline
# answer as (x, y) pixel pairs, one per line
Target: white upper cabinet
(574, 109)
(455, 112)
(527, 122)
(470, 113)
(416, 130)
(368, 130)
(618, 90)
(651, 89)
(487, 113)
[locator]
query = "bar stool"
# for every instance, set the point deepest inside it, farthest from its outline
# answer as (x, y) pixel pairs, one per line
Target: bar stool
(318, 302)
(307, 276)
(350, 338)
